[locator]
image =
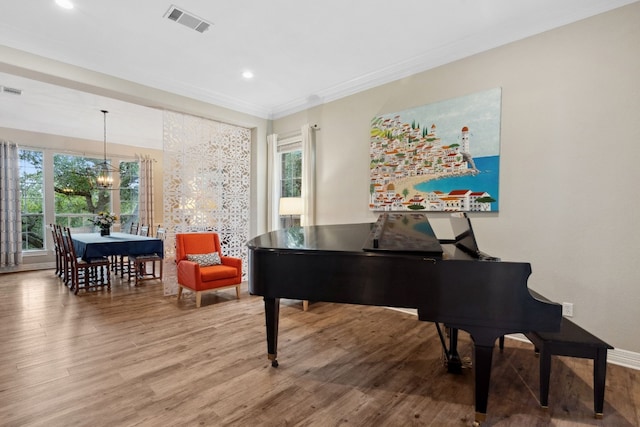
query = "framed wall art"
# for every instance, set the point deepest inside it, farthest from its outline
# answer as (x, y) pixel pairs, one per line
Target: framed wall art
(443, 156)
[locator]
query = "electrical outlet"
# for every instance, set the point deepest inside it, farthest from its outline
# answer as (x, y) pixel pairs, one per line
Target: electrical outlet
(567, 309)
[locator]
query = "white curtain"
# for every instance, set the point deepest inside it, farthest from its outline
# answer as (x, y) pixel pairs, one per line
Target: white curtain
(308, 175)
(273, 180)
(145, 195)
(10, 218)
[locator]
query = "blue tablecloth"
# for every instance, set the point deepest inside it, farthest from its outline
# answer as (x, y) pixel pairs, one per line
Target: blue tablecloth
(93, 245)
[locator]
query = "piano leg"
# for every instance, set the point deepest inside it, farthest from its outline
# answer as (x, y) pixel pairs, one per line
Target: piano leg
(272, 315)
(483, 355)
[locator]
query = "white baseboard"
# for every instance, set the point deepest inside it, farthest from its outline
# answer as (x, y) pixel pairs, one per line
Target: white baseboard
(628, 359)
(29, 267)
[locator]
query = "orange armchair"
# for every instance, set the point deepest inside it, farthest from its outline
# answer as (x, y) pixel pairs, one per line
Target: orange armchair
(197, 275)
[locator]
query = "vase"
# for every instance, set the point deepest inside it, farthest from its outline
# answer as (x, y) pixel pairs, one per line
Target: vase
(105, 231)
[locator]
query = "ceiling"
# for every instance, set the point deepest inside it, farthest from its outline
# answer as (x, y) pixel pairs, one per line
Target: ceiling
(301, 52)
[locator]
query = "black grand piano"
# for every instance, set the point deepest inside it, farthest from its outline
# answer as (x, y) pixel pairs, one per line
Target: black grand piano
(398, 262)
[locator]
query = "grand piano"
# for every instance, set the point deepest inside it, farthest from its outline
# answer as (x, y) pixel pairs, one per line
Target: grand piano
(398, 262)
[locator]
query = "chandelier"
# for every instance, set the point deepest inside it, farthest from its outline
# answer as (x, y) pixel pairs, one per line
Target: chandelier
(104, 170)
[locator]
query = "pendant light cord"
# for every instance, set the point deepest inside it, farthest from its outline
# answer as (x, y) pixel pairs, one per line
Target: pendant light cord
(104, 113)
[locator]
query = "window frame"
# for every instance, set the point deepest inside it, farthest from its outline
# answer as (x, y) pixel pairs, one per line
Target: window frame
(286, 146)
(49, 196)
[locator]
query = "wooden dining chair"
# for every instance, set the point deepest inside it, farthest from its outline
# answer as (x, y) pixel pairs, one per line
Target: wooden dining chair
(57, 250)
(120, 263)
(134, 228)
(139, 264)
(144, 230)
(62, 255)
(86, 274)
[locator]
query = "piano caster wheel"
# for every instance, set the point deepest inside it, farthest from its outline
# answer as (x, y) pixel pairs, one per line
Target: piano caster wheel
(274, 361)
(480, 418)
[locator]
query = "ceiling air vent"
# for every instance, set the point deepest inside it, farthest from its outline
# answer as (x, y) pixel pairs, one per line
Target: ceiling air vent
(11, 90)
(187, 19)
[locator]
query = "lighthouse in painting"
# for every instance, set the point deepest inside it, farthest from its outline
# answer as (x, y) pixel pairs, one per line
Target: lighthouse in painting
(465, 140)
(465, 151)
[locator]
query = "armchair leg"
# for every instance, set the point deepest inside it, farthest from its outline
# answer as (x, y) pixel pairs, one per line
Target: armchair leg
(199, 293)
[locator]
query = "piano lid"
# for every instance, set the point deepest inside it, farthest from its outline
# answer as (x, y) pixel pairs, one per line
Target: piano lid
(337, 237)
(407, 233)
(393, 233)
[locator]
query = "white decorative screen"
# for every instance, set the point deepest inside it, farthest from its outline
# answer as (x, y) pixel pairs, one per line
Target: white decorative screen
(206, 185)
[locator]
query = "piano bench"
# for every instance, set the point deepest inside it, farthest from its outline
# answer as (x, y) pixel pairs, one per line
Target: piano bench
(572, 341)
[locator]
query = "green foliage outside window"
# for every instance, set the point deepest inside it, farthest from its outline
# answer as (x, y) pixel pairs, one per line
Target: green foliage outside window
(32, 200)
(290, 182)
(291, 170)
(129, 188)
(75, 189)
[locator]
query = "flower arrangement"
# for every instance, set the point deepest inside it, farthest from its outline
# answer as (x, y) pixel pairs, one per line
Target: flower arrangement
(104, 219)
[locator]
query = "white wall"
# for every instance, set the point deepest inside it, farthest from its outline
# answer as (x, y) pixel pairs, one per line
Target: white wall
(570, 147)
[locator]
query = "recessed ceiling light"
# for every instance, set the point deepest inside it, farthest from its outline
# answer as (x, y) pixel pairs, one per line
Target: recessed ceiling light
(65, 4)
(247, 74)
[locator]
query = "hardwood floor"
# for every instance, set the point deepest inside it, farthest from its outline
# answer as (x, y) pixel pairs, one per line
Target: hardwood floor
(133, 357)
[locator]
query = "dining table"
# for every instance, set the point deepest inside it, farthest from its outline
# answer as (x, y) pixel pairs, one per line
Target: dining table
(93, 245)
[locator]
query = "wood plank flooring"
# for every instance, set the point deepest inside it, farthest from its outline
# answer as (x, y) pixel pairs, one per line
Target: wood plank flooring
(133, 357)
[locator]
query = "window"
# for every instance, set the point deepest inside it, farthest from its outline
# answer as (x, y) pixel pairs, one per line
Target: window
(75, 197)
(129, 188)
(290, 178)
(291, 173)
(32, 200)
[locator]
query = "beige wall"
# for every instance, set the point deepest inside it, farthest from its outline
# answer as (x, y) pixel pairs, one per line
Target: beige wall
(570, 147)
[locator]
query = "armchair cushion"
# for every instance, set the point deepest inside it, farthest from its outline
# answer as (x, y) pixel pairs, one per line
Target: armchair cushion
(218, 272)
(205, 260)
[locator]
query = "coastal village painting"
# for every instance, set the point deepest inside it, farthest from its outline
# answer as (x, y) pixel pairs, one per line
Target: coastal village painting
(438, 157)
